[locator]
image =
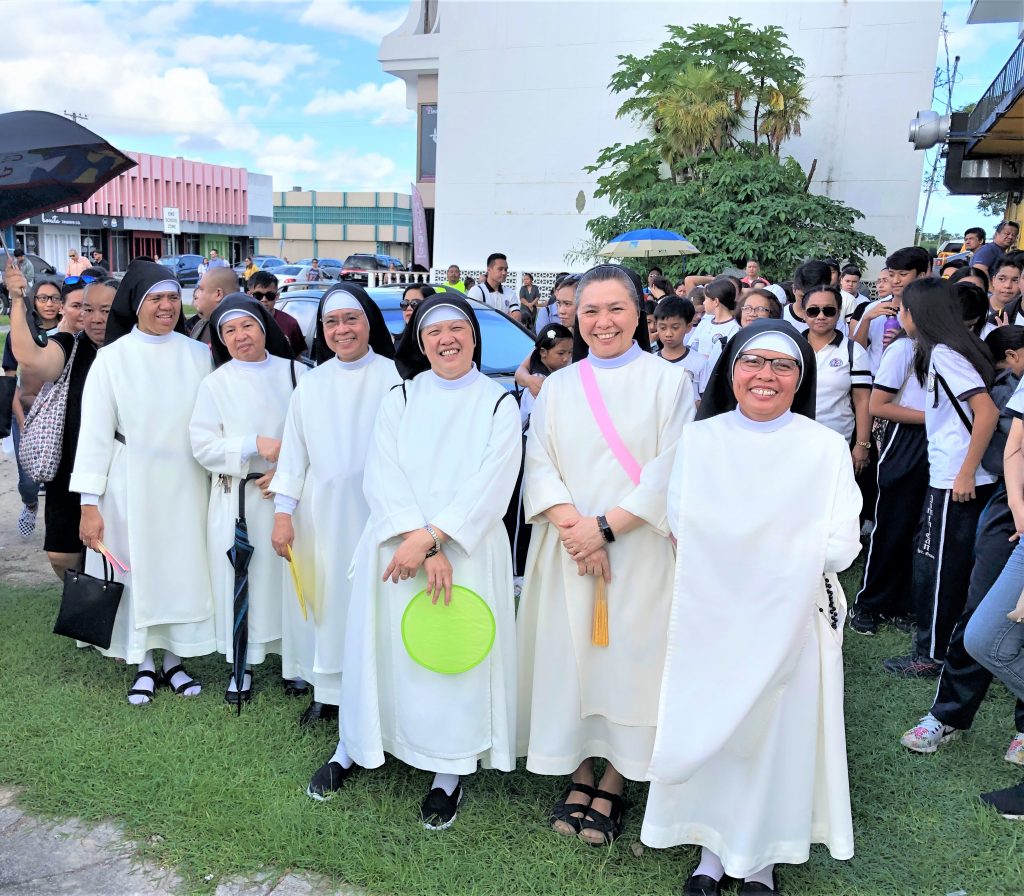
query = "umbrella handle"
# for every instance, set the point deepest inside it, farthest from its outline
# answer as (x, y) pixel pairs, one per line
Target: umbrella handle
(241, 493)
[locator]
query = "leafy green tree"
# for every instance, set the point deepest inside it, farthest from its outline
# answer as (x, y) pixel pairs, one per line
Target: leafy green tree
(718, 102)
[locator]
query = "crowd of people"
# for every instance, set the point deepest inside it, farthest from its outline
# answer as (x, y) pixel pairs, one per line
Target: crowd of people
(570, 548)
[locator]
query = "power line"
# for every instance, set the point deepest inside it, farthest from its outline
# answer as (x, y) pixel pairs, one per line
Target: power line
(74, 116)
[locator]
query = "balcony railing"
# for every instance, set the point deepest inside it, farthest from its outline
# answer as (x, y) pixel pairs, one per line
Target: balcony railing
(1005, 83)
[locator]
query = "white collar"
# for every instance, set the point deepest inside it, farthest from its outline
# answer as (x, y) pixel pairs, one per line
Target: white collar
(762, 425)
(364, 361)
(627, 357)
(151, 337)
(467, 379)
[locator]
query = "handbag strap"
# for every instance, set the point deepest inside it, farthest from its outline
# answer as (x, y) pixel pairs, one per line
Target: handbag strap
(605, 423)
(953, 400)
(108, 570)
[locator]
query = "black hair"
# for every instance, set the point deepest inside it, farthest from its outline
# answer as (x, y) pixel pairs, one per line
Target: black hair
(649, 306)
(787, 288)
(425, 291)
(546, 340)
(652, 270)
(964, 273)
(973, 304)
(832, 263)
(1002, 225)
(723, 289)
(954, 264)
(18, 252)
(496, 256)
(935, 308)
(979, 232)
(751, 259)
(696, 295)
(664, 284)
(851, 270)
(910, 258)
(262, 278)
(1007, 261)
(681, 283)
(811, 273)
(674, 306)
(833, 291)
(1005, 339)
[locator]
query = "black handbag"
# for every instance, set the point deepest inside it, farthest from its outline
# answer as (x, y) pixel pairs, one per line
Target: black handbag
(88, 606)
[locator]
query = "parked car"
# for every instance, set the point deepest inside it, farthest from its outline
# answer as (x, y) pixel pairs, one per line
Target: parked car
(297, 273)
(263, 262)
(317, 286)
(356, 266)
(326, 264)
(505, 342)
(184, 267)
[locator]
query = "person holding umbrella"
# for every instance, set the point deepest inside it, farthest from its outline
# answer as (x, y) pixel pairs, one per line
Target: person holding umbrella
(235, 431)
(141, 485)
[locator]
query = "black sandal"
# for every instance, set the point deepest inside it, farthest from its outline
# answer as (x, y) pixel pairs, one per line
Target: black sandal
(608, 826)
(168, 674)
(136, 691)
(233, 698)
(563, 811)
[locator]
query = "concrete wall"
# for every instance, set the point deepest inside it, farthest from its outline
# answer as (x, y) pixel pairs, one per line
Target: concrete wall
(523, 106)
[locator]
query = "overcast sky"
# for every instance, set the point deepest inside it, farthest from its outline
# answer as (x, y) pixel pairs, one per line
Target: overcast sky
(292, 89)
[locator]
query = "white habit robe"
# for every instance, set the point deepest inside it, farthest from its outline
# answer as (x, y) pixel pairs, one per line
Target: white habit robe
(236, 403)
(153, 495)
(577, 700)
(323, 451)
(750, 755)
(446, 453)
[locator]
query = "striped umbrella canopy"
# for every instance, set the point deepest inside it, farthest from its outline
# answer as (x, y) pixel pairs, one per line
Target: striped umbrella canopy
(648, 243)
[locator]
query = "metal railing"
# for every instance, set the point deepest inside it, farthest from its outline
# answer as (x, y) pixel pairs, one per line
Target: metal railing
(1006, 82)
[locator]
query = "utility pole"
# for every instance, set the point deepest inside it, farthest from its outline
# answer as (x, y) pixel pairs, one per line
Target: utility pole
(74, 116)
(948, 84)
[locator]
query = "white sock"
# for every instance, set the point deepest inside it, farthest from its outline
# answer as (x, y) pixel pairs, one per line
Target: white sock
(765, 876)
(146, 684)
(170, 661)
(447, 783)
(341, 756)
(710, 864)
(246, 682)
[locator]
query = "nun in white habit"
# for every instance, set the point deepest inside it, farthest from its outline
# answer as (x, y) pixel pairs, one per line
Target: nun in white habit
(143, 493)
(319, 506)
(598, 512)
(236, 431)
(750, 754)
(442, 466)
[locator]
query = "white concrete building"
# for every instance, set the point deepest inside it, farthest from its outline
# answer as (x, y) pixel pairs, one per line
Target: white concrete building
(517, 95)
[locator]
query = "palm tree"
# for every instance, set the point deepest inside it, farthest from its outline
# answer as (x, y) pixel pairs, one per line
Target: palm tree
(695, 114)
(785, 107)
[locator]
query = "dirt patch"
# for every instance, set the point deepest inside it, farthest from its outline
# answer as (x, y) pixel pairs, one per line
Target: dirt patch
(22, 560)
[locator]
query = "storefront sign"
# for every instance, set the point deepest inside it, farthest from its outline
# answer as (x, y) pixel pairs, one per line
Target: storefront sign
(101, 222)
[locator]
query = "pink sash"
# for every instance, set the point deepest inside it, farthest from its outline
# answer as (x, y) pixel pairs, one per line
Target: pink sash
(605, 424)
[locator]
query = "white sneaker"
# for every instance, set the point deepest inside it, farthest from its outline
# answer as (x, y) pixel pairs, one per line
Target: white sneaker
(928, 735)
(1015, 753)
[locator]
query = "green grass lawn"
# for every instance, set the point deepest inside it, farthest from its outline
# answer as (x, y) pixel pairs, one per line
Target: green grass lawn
(226, 795)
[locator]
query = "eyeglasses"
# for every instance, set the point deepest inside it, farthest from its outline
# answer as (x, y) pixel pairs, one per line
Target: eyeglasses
(79, 278)
(826, 311)
(264, 296)
(756, 311)
(409, 303)
(54, 300)
(754, 363)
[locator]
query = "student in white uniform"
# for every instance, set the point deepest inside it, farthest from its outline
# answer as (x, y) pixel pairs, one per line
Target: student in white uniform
(902, 479)
(319, 504)
(956, 370)
(595, 493)
(235, 432)
(143, 493)
(749, 759)
(809, 274)
(674, 319)
(843, 378)
(718, 323)
(444, 457)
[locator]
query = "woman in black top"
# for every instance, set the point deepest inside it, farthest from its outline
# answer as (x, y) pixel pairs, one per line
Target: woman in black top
(62, 545)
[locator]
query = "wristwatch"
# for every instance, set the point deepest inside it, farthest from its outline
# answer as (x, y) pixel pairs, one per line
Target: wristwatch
(606, 530)
(863, 444)
(437, 542)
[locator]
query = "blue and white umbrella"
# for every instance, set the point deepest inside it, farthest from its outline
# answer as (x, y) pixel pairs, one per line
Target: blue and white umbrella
(648, 243)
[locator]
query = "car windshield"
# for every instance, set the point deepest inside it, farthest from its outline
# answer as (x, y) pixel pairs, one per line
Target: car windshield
(361, 263)
(289, 270)
(170, 261)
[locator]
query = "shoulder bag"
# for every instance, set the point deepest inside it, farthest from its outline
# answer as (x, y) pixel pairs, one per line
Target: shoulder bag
(43, 437)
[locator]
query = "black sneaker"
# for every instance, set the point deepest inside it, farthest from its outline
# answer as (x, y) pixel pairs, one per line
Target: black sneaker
(439, 810)
(863, 622)
(1009, 802)
(901, 623)
(913, 666)
(327, 780)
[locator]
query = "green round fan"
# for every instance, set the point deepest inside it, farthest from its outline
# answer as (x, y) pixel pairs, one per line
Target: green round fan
(448, 639)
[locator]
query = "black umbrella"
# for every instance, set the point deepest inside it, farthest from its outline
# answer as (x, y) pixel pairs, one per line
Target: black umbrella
(240, 553)
(46, 162)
